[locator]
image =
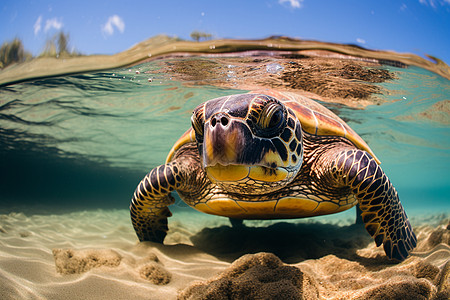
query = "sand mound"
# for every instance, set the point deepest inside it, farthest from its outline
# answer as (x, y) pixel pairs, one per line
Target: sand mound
(434, 237)
(257, 276)
(264, 276)
(71, 261)
(155, 273)
(342, 279)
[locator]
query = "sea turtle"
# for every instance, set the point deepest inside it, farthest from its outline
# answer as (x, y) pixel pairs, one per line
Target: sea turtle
(272, 155)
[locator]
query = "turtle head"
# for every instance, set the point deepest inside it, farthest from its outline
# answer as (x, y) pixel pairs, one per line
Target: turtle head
(248, 143)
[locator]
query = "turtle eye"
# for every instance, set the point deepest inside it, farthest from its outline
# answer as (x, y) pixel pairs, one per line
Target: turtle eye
(276, 118)
(197, 125)
(271, 120)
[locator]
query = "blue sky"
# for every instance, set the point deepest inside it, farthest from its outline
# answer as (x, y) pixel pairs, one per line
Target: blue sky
(107, 27)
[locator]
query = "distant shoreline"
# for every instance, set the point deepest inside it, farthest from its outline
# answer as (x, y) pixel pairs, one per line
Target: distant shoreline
(159, 46)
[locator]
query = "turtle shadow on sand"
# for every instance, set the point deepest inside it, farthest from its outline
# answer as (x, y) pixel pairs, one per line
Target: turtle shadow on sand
(291, 242)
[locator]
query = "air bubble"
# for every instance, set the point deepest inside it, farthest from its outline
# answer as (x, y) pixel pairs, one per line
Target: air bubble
(274, 68)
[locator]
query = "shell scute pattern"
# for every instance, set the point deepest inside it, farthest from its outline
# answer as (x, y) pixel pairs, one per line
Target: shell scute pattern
(318, 120)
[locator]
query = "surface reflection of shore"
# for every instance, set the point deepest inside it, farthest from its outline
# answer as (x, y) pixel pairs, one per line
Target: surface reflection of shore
(161, 45)
(343, 80)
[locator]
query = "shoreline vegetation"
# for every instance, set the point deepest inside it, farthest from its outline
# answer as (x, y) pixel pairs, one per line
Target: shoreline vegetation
(56, 60)
(13, 52)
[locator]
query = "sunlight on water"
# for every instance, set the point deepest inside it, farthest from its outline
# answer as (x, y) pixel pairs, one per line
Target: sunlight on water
(130, 118)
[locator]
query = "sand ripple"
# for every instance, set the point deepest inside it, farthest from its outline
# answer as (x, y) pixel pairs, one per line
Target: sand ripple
(95, 255)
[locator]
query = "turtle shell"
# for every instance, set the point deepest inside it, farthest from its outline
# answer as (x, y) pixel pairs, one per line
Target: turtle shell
(314, 117)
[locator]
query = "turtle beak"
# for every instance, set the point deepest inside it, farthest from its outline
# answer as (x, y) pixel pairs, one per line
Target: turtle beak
(222, 141)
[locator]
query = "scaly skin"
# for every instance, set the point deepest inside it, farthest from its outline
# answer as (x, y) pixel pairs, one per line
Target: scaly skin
(382, 213)
(333, 171)
(149, 205)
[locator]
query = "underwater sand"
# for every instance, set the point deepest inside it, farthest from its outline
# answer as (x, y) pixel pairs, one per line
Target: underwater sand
(96, 255)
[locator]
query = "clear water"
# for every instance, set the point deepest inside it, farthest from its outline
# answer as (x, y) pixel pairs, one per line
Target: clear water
(85, 141)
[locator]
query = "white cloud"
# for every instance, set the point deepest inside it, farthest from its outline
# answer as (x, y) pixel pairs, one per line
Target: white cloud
(434, 3)
(113, 21)
(37, 25)
(292, 3)
(361, 41)
(53, 24)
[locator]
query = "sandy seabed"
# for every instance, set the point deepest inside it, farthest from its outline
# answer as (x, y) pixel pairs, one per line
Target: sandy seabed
(96, 255)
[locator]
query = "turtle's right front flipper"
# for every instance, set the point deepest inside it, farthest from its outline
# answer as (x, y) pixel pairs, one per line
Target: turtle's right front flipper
(149, 205)
(382, 213)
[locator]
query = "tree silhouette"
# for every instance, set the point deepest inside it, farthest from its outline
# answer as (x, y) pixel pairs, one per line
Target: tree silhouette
(58, 46)
(198, 35)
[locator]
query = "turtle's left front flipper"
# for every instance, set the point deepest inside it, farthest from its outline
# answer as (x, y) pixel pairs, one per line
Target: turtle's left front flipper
(149, 204)
(382, 213)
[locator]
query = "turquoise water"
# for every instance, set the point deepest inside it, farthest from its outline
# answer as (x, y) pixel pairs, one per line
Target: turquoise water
(410, 134)
(85, 141)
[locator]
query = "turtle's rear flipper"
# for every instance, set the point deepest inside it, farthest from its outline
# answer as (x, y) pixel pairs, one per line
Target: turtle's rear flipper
(358, 219)
(237, 223)
(382, 212)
